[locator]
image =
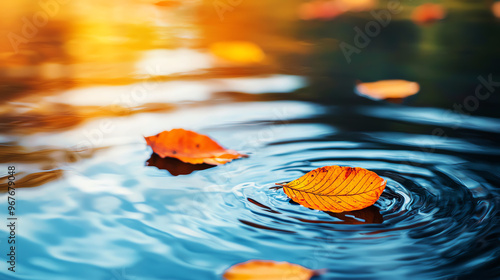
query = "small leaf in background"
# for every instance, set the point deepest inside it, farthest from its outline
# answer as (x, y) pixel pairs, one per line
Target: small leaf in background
(268, 270)
(190, 147)
(336, 188)
(428, 13)
(238, 51)
(388, 89)
(495, 8)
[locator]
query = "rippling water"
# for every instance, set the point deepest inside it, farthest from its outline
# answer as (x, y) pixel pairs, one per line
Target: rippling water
(93, 202)
(114, 217)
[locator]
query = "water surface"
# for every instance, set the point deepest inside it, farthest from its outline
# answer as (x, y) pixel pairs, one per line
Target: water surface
(100, 205)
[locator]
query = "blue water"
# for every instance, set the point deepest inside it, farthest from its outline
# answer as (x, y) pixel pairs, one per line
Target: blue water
(113, 217)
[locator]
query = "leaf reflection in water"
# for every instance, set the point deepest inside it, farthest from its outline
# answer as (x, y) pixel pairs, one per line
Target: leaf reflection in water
(369, 215)
(175, 166)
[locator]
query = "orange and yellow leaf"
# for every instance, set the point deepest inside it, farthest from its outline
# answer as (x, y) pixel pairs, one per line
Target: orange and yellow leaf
(336, 188)
(268, 270)
(190, 147)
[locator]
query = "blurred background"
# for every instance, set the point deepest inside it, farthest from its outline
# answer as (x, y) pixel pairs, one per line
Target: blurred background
(53, 46)
(82, 82)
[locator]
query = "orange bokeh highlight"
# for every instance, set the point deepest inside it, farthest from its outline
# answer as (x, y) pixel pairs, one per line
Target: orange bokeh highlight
(428, 13)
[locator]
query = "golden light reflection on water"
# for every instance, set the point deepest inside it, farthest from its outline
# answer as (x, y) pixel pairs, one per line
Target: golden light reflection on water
(48, 49)
(59, 45)
(84, 39)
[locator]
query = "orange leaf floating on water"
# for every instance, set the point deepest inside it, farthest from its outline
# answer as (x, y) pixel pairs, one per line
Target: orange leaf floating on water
(336, 188)
(388, 89)
(190, 147)
(238, 51)
(268, 270)
(428, 12)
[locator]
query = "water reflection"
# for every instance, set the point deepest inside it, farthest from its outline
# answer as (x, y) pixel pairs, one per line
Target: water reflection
(259, 226)
(175, 166)
(369, 215)
(30, 180)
